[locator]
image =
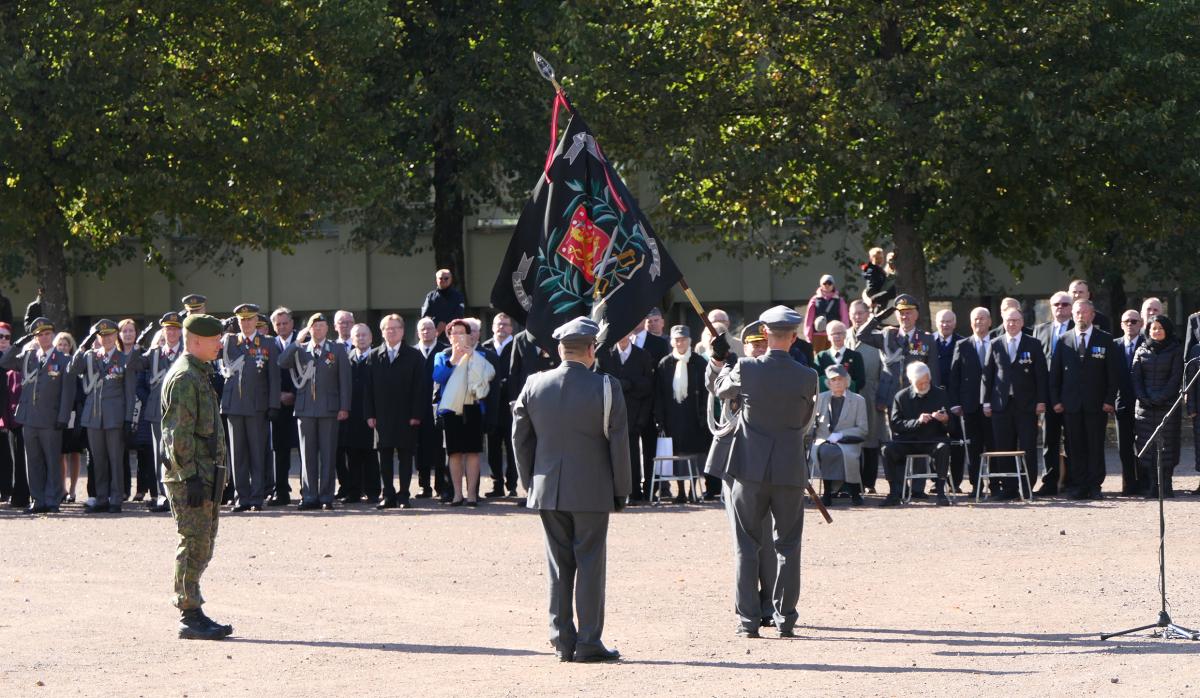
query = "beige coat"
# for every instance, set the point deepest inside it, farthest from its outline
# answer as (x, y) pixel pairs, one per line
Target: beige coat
(877, 432)
(851, 422)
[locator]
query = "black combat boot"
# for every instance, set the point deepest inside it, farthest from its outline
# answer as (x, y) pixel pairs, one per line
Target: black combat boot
(225, 630)
(194, 625)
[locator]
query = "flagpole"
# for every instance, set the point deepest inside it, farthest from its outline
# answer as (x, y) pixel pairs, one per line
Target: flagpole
(547, 71)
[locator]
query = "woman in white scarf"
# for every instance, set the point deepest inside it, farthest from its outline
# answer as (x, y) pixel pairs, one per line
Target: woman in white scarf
(681, 403)
(462, 378)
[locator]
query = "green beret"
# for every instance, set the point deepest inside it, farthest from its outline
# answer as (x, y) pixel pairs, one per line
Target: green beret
(203, 325)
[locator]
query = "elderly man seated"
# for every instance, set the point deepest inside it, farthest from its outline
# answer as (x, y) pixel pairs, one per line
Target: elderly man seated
(841, 424)
(920, 425)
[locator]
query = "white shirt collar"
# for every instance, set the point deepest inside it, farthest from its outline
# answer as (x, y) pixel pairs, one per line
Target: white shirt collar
(640, 339)
(625, 352)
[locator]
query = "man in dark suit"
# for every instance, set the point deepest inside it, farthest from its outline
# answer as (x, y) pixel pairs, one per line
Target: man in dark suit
(944, 340)
(1015, 392)
(1084, 376)
(630, 366)
(431, 452)
(395, 405)
(657, 347)
(498, 350)
(1049, 334)
(284, 433)
(1125, 347)
(569, 434)
(1080, 291)
(920, 422)
(356, 436)
(965, 388)
(1005, 304)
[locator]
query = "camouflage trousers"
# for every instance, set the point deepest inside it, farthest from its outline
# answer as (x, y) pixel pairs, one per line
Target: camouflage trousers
(197, 532)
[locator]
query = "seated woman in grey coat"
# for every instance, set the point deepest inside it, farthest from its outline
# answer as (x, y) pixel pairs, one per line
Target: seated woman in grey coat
(841, 425)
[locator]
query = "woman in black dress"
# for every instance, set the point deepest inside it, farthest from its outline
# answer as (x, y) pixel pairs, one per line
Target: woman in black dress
(74, 438)
(462, 378)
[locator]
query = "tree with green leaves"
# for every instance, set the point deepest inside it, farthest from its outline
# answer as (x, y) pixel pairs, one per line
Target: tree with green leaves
(953, 129)
(175, 131)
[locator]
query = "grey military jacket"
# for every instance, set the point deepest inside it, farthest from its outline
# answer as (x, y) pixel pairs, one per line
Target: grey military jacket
(322, 382)
(155, 365)
(251, 375)
(563, 456)
(110, 384)
(897, 353)
(777, 395)
(47, 388)
(723, 433)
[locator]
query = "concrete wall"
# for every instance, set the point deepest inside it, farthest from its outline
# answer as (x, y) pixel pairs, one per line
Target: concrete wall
(323, 275)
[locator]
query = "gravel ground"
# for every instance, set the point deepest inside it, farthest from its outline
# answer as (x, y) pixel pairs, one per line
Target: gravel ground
(977, 600)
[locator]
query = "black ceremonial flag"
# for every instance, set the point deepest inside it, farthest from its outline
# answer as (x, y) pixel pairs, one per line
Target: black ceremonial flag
(581, 232)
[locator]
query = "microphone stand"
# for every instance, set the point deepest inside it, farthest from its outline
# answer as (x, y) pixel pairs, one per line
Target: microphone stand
(1164, 627)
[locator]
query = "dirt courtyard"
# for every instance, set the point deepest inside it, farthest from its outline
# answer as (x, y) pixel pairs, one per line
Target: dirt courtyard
(1001, 599)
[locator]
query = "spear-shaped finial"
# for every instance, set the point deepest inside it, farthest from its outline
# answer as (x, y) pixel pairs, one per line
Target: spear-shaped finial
(546, 70)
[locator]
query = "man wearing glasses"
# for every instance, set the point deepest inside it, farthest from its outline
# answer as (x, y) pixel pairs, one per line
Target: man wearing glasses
(1126, 346)
(444, 303)
(1050, 334)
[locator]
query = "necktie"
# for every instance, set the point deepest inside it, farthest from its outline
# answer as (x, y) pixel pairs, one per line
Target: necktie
(981, 350)
(391, 355)
(1128, 353)
(1012, 349)
(1082, 345)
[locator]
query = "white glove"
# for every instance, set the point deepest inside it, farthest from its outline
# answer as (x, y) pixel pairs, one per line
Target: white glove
(834, 437)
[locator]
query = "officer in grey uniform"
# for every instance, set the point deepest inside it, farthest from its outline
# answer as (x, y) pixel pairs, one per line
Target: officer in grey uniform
(767, 463)
(109, 382)
(249, 399)
(155, 364)
(724, 428)
(193, 304)
(321, 372)
(570, 440)
(47, 397)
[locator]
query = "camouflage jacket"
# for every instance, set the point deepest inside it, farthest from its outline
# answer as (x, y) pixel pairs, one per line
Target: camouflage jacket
(192, 433)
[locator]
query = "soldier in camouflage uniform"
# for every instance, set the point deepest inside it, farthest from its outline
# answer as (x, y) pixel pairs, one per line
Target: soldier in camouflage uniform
(194, 468)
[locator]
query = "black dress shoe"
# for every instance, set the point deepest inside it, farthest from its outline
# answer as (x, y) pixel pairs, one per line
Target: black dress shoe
(919, 494)
(160, 508)
(279, 500)
(890, 501)
(256, 507)
(564, 655)
(458, 503)
(33, 509)
(748, 633)
(787, 632)
(512, 491)
(600, 655)
(387, 503)
(856, 499)
(114, 508)
(1047, 491)
(327, 506)
(766, 622)
(496, 493)
(942, 501)
(97, 508)
(53, 509)
(403, 504)
(308, 506)
(242, 507)
(424, 494)
(472, 502)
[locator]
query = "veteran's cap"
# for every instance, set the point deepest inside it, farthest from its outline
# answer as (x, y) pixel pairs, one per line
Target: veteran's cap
(317, 317)
(194, 301)
(680, 331)
(104, 327)
(246, 311)
(905, 302)
(581, 330)
(836, 371)
(40, 325)
(171, 319)
(753, 332)
(203, 325)
(781, 318)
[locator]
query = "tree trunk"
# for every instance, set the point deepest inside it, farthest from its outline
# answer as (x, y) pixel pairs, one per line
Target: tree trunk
(52, 279)
(448, 215)
(910, 252)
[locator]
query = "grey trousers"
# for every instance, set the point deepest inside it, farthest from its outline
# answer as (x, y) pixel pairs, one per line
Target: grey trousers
(43, 469)
(157, 444)
(108, 459)
(767, 566)
(785, 504)
(318, 447)
(248, 438)
(576, 550)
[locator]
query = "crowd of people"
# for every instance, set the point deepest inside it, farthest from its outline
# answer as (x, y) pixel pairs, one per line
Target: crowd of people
(366, 409)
